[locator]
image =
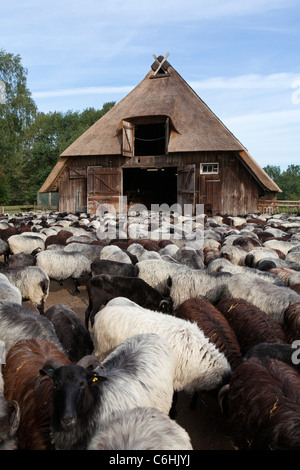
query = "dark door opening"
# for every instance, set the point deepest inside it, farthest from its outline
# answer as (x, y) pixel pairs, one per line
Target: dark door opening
(150, 186)
(150, 139)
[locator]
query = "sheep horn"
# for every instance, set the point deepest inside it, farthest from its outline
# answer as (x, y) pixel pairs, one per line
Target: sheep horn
(52, 363)
(88, 361)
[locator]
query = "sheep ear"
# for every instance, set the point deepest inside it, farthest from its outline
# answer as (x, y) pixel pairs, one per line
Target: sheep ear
(97, 377)
(48, 372)
(50, 366)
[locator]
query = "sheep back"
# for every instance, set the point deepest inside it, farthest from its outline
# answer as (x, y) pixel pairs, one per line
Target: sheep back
(23, 363)
(263, 405)
(250, 324)
(214, 325)
(199, 364)
(141, 429)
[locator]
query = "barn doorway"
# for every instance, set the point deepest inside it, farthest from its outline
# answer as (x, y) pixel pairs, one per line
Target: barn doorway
(150, 186)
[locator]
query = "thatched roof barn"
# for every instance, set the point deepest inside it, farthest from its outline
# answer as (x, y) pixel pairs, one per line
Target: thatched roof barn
(160, 144)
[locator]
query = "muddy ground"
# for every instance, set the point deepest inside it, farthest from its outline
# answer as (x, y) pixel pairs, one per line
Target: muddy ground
(206, 426)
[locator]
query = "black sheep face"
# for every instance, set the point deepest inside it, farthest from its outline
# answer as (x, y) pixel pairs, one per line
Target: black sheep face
(75, 392)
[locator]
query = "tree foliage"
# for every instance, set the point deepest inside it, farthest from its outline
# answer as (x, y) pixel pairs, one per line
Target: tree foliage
(48, 136)
(17, 112)
(288, 181)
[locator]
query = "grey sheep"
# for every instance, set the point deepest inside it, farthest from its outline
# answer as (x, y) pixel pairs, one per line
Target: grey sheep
(189, 283)
(9, 292)
(139, 372)
(270, 298)
(9, 423)
(18, 322)
(141, 429)
(33, 283)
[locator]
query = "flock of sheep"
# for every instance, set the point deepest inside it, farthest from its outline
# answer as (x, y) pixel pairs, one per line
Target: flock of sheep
(166, 314)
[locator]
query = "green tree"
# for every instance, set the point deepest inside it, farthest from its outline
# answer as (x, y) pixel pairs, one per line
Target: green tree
(288, 181)
(17, 112)
(47, 137)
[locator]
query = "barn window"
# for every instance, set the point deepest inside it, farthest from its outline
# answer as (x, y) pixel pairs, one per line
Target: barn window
(209, 168)
(145, 137)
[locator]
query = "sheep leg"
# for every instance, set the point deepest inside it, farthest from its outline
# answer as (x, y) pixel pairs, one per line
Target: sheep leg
(75, 289)
(41, 307)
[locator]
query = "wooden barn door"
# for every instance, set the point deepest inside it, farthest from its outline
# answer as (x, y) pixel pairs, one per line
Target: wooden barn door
(186, 185)
(103, 187)
(209, 193)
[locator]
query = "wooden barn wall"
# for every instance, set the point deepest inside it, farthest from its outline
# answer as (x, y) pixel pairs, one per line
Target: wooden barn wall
(236, 192)
(239, 189)
(69, 185)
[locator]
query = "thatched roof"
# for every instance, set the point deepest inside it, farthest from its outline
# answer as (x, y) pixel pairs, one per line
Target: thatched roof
(193, 126)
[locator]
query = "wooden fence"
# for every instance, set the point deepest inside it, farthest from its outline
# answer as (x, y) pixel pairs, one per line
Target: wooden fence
(278, 207)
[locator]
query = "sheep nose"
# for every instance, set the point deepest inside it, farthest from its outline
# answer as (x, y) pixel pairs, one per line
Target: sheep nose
(68, 422)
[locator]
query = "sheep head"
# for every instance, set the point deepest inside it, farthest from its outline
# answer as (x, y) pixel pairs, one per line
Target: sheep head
(75, 390)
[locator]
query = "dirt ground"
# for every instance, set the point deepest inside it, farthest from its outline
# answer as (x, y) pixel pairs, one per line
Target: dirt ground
(206, 426)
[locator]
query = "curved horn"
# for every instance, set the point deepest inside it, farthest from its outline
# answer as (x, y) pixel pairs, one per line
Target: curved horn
(88, 361)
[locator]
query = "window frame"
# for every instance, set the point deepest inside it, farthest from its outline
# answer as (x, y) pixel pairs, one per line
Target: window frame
(208, 172)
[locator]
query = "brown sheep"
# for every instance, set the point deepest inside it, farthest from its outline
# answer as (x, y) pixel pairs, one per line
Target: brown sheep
(291, 322)
(262, 404)
(250, 324)
(214, 326)
(21, 383)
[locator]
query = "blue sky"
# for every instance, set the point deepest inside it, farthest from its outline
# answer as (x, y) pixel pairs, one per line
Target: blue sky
(241, 58)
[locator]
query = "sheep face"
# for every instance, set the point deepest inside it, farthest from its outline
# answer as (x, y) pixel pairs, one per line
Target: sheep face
(75, 393)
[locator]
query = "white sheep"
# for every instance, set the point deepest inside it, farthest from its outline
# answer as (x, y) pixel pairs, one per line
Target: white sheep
(235, 254)
(199, 365)
(224, 265)
(294, 279)
(141, 429)
(259, 253)
(26, 242)
(281, 245)
(61, 265)
(293, 256)
(114, 253)
(91, 251)
(156, 273)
